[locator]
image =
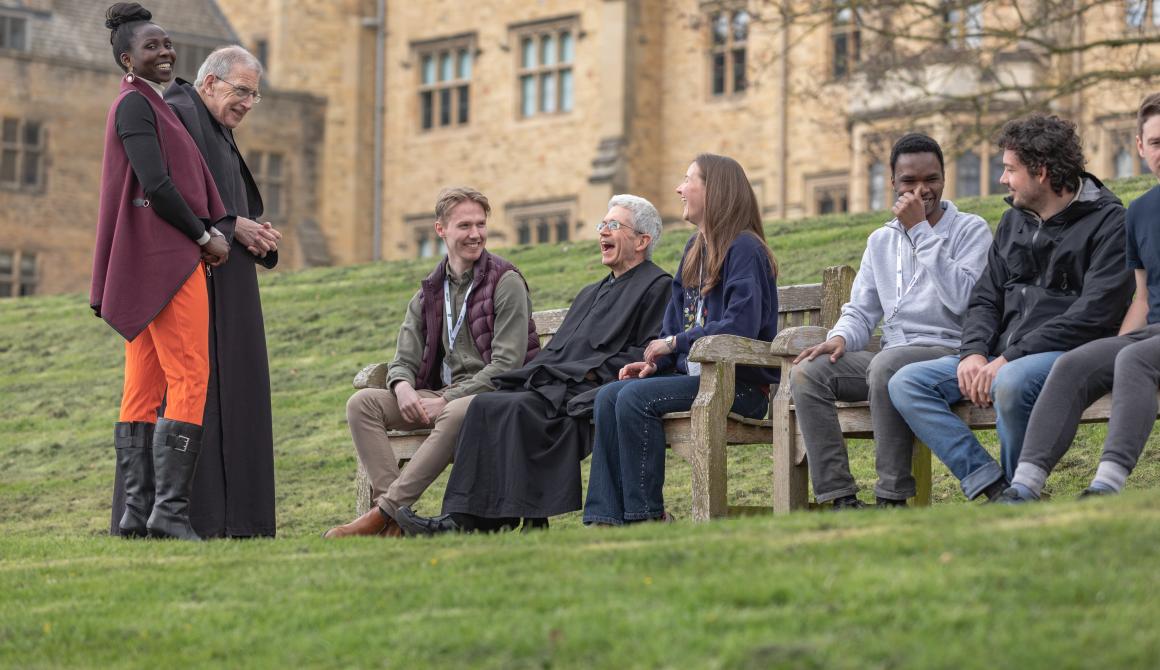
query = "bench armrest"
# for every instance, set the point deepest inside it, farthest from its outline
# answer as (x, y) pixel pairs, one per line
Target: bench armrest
(792, 341)
(373, 376)
(733, 349)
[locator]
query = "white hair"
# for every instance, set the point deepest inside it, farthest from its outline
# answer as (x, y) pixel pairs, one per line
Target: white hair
(646, 220)
(221, 61)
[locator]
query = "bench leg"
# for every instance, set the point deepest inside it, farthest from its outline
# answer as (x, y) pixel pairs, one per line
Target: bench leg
(362, 491)
(791, 479)
(708, 416)
(920, 467)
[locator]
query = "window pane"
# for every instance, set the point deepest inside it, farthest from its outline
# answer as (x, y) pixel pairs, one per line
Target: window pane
(1123, 164)
(425, 247)
(826, 204)
(567, 47)
(548, 93)
(463, 104)
(720, 29)
(877, 185)
(8, 166)
(967, 180)
(525, 233)
(840, 56)
(426, 113)
(11, 130)
(5, 289)
(1156, 12)
(273, 199)
(27, 266)
(445, 107)
(528, 49)
(543, 232)
(738, 70)
(445, 66)
(17, 35)
(565, 90)
(740, 26)
(996, 174)
(464, 69)
(1134, 11)
(7, 262)
(718, 74)
(548, 50)
(562, 229)
(274, 165)
(974, 27)
(528, 95)
(31, 176)
(428, 69)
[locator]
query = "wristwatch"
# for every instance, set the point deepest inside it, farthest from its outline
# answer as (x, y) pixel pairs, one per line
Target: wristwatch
(671, 343)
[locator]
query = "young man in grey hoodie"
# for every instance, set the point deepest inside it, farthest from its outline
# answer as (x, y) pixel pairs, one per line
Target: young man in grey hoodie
(915, 279)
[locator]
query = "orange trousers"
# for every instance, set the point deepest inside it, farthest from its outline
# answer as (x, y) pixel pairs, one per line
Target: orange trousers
(169, 360)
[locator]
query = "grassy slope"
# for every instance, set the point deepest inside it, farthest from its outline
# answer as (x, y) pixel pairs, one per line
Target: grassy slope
(59, 381)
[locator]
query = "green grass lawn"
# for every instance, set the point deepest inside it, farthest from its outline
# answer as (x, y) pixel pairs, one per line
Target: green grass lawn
(1053, 585)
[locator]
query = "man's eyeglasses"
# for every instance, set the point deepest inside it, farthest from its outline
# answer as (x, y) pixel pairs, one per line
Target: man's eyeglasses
(613, 226)
(242, 92)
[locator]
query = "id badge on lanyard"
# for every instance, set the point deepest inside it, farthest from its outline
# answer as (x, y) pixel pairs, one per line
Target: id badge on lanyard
(452, 329)
(899, 293)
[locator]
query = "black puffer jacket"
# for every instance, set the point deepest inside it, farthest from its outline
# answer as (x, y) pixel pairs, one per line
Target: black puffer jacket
(1051, 285)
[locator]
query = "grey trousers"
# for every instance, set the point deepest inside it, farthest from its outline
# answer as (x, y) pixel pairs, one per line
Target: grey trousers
(857, 376)
(1084, 375)
(370, 414)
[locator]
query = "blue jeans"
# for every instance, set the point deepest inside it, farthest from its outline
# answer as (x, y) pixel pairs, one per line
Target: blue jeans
(628, 457)
(923, 393)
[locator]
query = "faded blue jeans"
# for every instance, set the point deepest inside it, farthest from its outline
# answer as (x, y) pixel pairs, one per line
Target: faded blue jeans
(923, 393)
(628, 457)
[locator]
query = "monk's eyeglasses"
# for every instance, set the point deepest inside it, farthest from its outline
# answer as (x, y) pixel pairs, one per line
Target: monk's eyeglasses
(243, 92)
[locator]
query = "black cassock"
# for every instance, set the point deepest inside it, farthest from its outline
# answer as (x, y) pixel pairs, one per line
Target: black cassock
(233, 488)
(520, 446)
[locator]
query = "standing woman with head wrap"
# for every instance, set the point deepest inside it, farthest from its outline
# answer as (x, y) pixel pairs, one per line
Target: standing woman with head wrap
(155, 236)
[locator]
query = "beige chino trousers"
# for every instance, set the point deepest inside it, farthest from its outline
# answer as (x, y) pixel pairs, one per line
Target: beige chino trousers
(370, 414)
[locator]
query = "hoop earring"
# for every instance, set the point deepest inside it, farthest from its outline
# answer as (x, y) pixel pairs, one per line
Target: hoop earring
(129, 76)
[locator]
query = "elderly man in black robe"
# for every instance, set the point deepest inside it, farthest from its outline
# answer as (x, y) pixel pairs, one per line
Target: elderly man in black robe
(233, 487)
(520, 446)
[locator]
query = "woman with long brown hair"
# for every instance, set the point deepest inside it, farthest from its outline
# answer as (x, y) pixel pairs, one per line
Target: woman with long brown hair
(726, 284)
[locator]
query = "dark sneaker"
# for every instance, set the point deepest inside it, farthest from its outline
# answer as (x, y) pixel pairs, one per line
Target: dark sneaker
(1011, 496)
(1095, 492)
(847, 502)
(885, 503)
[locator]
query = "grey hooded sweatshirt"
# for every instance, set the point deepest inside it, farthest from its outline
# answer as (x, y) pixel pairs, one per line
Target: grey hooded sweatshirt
(947, 259)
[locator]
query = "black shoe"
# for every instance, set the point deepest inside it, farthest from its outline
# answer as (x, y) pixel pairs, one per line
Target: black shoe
(1011, 496)
(996, 489)
(847, 502)
(175, 448)
(884, 503)
(1095, 492)
(534, 523)
(134, 444)
(413, 524)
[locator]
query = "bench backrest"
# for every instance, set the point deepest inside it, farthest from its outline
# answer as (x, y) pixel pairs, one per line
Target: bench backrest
(797, 305)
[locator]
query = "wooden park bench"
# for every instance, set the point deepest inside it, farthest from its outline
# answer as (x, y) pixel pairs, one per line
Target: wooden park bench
(702, 435)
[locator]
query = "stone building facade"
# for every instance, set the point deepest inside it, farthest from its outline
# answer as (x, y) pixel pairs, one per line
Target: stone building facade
(547, 106)
(59, 78)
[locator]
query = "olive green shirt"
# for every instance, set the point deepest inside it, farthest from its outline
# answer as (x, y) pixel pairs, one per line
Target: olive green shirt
(509, 342)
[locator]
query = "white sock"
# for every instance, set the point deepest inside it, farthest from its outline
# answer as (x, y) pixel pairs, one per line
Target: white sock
(1110, 476)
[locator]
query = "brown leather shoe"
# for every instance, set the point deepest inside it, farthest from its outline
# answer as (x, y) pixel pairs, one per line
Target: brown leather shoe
(374, 522)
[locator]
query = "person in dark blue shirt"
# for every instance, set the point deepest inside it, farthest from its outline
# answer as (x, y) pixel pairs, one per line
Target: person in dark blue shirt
(726, 284)
(1127, 365)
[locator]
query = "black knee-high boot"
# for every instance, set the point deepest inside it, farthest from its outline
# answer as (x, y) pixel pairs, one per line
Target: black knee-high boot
(175, 448)
(133, 441)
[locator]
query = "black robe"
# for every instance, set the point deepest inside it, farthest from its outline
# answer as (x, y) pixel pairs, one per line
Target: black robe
(233, 487)
(520, 446)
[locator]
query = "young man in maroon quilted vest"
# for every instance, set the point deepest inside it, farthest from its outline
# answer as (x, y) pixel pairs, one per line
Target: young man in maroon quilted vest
(470, 320)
